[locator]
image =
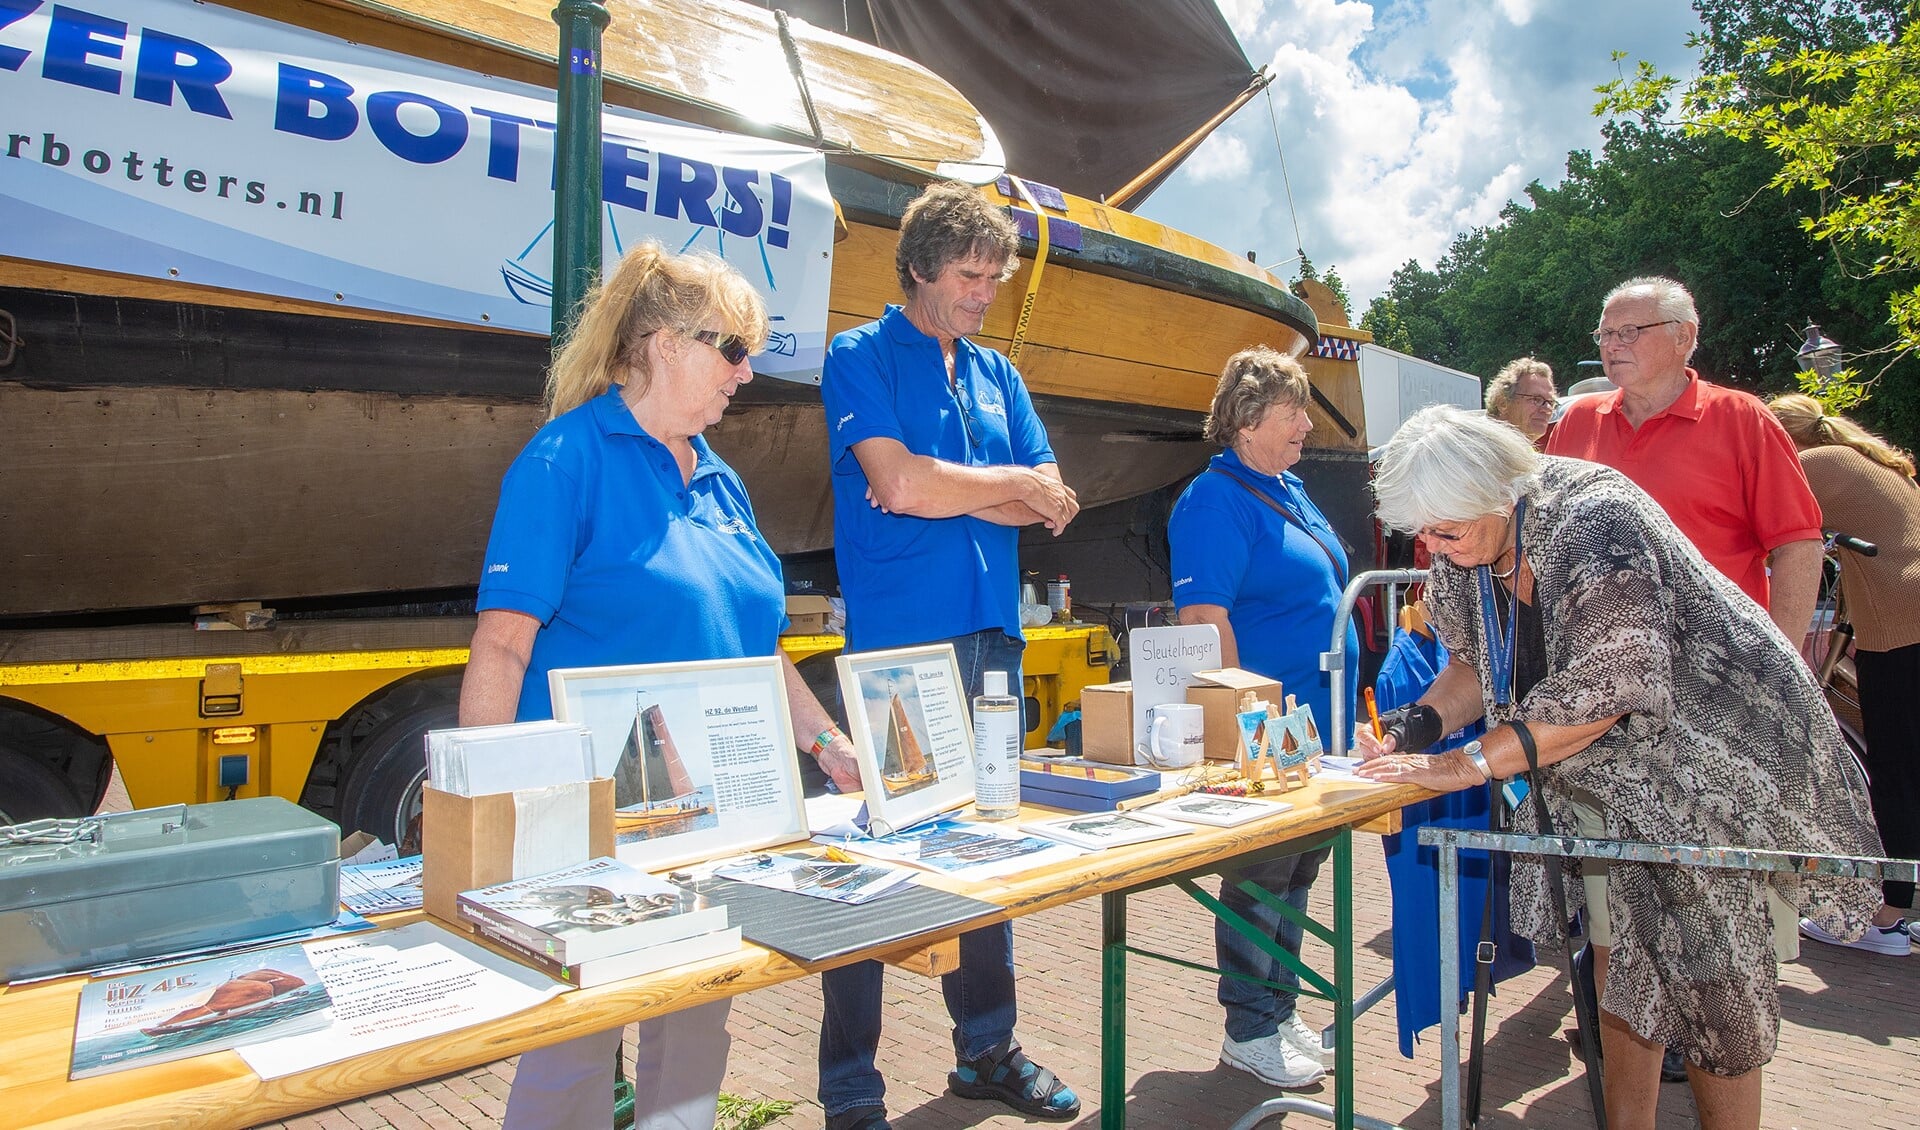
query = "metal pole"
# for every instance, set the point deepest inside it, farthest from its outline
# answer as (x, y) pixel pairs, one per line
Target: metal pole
(1113, 1011)
(1449, 984)
(1334, 660)
(1343, 980)
(577, 183)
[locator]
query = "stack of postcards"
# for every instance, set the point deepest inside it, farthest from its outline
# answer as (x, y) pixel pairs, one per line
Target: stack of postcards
(599, 921)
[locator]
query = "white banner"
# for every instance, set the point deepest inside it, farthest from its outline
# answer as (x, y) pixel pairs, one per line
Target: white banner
(185, 142)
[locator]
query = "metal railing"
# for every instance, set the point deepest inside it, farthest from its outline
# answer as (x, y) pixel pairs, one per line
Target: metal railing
(1450, 841)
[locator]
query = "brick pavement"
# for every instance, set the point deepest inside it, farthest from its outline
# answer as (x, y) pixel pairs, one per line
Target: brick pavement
(1849, 1051)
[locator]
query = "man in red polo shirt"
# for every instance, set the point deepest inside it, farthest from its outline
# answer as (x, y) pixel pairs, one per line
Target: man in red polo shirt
(1714, 458)
(1727, 475)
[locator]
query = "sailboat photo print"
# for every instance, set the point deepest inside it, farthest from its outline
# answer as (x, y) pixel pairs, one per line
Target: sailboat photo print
(701, 754)
(907, 718)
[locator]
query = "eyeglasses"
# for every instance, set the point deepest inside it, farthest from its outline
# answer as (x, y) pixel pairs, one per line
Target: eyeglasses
(1432, 534)
(733, 347)
(1535, 399)
(1627, 335)
(965, 404)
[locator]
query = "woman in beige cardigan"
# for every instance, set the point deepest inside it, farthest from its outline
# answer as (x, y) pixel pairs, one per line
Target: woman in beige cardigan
(1866, 489)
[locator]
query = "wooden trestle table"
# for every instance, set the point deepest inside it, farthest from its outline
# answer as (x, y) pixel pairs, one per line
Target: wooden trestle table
(218, 1089)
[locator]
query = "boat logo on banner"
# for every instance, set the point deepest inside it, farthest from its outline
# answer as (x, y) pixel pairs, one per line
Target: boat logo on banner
(195, 144)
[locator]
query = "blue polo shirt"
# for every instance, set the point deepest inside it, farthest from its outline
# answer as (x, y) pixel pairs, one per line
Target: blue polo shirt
(1278, 586)
(598, 539)
(907, 580)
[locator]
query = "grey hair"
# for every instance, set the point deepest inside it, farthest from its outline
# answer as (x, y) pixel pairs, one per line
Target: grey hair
(1500, 388)
(1254, 381)
(1448, 464)
(1671, 301)
(947, 224)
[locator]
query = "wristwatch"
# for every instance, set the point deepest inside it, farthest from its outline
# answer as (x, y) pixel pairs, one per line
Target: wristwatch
(1472, 750)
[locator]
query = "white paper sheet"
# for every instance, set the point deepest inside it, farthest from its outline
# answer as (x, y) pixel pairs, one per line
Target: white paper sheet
(394, 986)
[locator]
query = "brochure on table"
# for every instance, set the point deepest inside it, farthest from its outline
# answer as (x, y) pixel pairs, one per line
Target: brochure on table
(966, 850)
(1097, 830)
(701, 755)
(182, 1010)
(395, 986)
(907, 718)
(1164, 661)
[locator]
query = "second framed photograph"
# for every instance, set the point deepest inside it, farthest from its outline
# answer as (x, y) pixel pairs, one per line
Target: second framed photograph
(907, 717)
(701, 755)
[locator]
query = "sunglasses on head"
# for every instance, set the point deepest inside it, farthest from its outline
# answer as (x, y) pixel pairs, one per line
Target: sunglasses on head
(733, 347)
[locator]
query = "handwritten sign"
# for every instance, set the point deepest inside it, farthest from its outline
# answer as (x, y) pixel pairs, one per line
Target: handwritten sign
(1163, 661)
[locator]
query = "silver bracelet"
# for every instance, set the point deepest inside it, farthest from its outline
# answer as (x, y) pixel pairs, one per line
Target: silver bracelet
(1479, 759)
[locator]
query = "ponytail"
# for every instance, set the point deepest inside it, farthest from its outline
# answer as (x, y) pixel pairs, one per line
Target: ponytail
(649, 290)
(1808, 425)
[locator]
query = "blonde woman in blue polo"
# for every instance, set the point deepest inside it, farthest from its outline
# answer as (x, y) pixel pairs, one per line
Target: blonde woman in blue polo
(622, 538)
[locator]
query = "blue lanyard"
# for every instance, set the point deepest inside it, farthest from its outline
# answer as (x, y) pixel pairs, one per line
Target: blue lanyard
(1500, 648)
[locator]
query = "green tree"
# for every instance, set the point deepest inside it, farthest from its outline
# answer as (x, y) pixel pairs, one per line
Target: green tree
(1331, 280)
(1831, 92)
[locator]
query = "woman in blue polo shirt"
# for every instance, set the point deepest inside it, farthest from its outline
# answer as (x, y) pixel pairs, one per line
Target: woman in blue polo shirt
(1254, 557)
(622, 538)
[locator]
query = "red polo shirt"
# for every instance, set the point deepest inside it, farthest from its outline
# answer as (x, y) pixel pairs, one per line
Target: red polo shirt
(1719, 464)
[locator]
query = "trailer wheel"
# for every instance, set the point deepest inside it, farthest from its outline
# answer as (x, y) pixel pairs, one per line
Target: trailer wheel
(78, 759)
(381, 790)
(31, 791)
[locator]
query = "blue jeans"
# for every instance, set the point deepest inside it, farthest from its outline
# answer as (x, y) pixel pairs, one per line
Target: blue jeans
(980, 994)
(1255, 1011)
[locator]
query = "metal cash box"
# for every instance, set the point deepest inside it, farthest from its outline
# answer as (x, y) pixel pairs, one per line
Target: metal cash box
(76, 894)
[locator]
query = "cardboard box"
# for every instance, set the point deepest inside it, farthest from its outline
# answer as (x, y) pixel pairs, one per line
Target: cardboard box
(1218, 694)
(469, 841)
(1106, 723)
(807, 615)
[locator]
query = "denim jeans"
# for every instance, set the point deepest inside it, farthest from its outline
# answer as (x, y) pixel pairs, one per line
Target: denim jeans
(1255, 1011)
(979, 995)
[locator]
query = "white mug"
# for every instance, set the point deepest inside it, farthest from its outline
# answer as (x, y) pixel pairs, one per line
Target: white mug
(1176, 735)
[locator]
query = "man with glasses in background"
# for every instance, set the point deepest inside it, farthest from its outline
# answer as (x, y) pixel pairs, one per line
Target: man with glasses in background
(1721, 467)
(1522, 394)
(937, 461)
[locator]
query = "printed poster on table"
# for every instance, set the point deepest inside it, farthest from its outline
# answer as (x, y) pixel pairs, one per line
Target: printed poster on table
(701, 755)
(907, 713)
(202, 146)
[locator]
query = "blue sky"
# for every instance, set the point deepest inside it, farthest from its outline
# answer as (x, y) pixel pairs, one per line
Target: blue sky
(1405, 122)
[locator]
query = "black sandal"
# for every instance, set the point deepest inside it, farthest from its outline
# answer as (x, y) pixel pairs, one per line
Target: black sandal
(1008, 1075)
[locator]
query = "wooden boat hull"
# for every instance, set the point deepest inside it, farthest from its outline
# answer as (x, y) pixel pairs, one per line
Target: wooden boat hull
(173, 445)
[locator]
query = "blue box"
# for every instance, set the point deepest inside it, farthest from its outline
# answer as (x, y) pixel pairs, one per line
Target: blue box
(1083, 788)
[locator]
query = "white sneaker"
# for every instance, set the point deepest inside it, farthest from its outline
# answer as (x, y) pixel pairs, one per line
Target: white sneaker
(1890, 941)
(1271, 1060)
(1301, 1037)
(1913, 929)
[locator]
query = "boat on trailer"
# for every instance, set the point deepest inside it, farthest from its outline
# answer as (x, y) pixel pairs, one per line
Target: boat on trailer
(174, 444)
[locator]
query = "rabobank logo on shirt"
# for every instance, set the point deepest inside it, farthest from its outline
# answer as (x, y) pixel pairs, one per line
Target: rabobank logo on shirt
(732, 525)
(191, 143)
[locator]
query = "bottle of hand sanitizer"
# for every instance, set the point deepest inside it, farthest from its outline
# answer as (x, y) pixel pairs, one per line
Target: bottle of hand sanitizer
(996, 750)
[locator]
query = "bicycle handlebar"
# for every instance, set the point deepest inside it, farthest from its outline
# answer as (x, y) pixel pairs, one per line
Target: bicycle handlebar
(1863, 548)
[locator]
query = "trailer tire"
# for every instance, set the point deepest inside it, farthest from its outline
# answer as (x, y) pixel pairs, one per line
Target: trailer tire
(381, 793)
(31, 791)
(76, 757)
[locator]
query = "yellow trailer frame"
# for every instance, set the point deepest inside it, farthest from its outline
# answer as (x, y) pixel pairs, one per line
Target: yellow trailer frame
(172, 723)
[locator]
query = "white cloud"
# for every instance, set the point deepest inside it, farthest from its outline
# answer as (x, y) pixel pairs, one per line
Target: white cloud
(1404, 123)
(1226, 161)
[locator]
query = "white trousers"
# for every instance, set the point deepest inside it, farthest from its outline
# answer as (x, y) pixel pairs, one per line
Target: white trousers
(678, 1069)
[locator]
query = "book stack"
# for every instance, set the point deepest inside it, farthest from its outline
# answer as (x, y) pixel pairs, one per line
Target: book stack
(599, 921)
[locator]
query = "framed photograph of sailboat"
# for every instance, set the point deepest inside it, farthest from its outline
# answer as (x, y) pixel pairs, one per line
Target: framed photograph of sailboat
(701, 755)
(907, 717)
